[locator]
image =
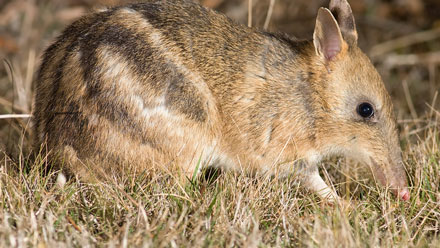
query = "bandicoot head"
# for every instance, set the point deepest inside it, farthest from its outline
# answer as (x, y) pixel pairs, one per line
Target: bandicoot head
(359, 112)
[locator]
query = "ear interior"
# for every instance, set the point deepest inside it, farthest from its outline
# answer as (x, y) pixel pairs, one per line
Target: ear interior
(327, 36)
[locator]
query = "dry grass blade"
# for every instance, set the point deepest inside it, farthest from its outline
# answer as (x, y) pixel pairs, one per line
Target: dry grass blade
(409, 100)
(15, 116)
(405, 41)
(73, 223)
(249, 13)
(269, 14)
(394, 60)
(9, 104)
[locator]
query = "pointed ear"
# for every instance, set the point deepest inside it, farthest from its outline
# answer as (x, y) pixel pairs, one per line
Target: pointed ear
(327, 37)
(341, 10)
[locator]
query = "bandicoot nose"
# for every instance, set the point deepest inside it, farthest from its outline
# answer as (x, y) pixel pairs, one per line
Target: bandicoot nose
(404, 194)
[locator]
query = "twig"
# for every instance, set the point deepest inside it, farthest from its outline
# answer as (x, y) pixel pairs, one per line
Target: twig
(432, 68)
(394, 60)
(377, 22)
(15, 116)
(269, 14)
(404, 41)
(11, 75)
(70, 220)
(432, 107)
(9, 104)
(419, 129)
(411, 121)
(27, 84)
(409, 100)
(249, 13)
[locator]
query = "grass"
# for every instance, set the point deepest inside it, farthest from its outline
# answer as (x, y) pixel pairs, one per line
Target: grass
(39, 208)
(232, 209)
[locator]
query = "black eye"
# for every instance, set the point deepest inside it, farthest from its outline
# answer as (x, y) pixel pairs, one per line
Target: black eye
(365, 110)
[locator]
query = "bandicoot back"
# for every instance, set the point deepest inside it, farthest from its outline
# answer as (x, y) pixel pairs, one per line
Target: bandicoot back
(170, 83)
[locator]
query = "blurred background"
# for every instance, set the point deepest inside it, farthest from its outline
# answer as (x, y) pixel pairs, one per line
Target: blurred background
(402, 37)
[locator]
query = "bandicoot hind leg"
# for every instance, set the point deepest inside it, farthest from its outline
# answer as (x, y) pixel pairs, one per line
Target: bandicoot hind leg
(117, 165)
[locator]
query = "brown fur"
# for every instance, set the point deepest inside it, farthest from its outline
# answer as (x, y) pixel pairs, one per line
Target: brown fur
(163, 84)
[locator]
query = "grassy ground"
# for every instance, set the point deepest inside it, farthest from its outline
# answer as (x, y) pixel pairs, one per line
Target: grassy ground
(233, 210)
(39, 208)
